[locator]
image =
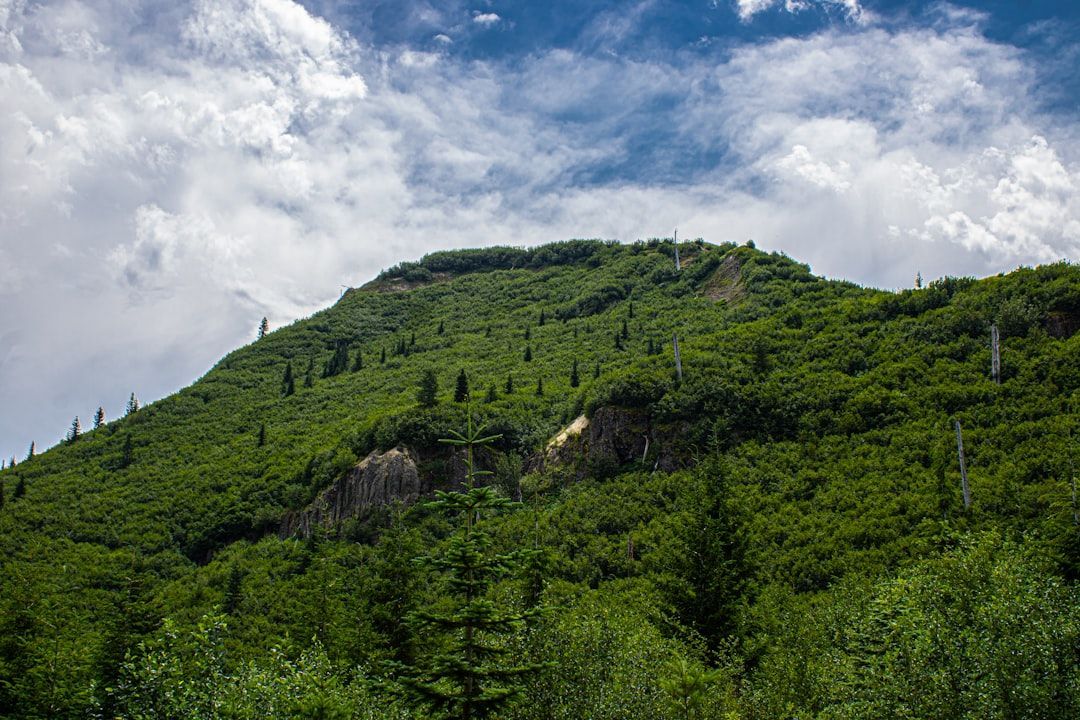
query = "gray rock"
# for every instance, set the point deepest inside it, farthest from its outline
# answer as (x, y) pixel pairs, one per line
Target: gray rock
(377, 480)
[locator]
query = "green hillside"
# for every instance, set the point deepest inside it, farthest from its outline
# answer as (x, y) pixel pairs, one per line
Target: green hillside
(794, 522)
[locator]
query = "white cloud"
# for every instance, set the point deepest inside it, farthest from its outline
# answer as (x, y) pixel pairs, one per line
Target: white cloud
(851, 9)
(236, 159)
(486, 19)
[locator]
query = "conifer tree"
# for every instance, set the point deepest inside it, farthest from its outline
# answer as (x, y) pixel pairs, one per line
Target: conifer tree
(543, 317)
(428, 392)
(651, 349)
(20, 487)
(492, 394)
(539, 387)
(339, 361)
(11, 463)
(618, 341)
(99, 418)
(132, 405)
(358, 363)
(509, 389)
(309, 374)
(528, 353)
(461, 392)
(264, 328)
(575, 380)
(3, 464)
(1, 489)
(631, 313)
(625, 331)
(30, 452)
(288, 383)
(442, 327)
(596, 371)
(234, 592)
(487, 333)
(127, 455)
(470, 673)
(528, 333)
(382, 356)
(262, 435)
(75, 431)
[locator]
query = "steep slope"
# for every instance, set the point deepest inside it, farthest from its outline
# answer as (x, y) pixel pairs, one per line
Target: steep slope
(813, 423)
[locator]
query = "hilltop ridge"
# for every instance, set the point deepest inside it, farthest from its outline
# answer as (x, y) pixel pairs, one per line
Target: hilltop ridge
(808, 447)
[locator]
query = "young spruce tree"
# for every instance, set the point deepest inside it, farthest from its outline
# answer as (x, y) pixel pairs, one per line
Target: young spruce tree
(99, 418)
(288, 383)
(575, 379)
(428, 392)
(461, 391)
(471, 674)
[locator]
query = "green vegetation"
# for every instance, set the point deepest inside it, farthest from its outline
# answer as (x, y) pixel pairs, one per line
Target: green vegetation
(781, 534)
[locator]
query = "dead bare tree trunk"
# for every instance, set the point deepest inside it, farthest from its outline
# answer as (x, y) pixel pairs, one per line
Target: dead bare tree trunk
(963, 466)
(678, 265)
(995, 354)
(678, 358)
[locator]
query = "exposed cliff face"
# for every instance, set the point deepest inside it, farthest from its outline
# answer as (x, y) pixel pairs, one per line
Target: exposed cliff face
(379, 479)
(613, 437)
(1062, 324)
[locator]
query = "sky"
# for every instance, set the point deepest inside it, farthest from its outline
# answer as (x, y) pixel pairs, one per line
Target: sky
(173, 171)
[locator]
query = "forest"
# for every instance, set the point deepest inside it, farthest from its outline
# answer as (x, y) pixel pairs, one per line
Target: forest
(778, 525)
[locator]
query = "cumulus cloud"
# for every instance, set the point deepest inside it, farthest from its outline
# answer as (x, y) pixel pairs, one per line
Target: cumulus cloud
(179, 171)
(486, 19)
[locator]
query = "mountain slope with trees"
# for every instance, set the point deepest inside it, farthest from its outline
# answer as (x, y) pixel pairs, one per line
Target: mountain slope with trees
(780, 533)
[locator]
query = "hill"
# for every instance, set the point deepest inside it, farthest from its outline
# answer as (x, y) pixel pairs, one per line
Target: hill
(789, 512)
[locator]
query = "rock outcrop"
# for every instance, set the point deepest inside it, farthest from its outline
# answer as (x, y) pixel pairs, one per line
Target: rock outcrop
(613, 437)
(377, 480)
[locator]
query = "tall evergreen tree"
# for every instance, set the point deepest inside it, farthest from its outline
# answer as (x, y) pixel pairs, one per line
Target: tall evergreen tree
(309, 374)
(382, 356)
(492, 394)
(358, 363)
(631, 313)
(412, 339)
(234, 590)
(11, 462)
(442, 328)
(20, 487)
(288, 383)
(75, 431)
(618, 341)
(132, 405)
(262, 435)
(528, 333)
(99, 418)
(596, 371)
(264, 328)
(539, 387)
(625, 333)
(528, 353)
(1, 489)
(509, 389)
(339, 361)
(428, 392)
(471, 673)
(127, 454)
(461, 391)
(543, 317)
(575, 379)
(31, 451)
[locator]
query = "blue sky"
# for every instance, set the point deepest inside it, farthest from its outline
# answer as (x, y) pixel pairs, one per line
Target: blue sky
(170, 172)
